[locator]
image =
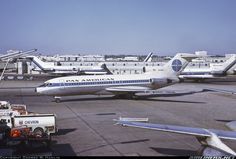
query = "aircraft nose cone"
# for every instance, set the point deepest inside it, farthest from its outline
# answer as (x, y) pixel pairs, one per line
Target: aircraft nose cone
(37, 90)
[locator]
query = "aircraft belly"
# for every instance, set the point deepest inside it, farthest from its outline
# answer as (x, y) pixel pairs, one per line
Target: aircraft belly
(81, 90)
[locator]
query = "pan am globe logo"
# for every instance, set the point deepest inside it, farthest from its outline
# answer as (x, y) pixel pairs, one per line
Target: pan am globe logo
(176, 65)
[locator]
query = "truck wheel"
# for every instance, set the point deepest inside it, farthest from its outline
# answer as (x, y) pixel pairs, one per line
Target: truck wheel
(38, 132)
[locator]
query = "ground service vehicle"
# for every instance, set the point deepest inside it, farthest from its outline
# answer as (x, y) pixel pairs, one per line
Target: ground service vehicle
(7, 109)
(33, 127)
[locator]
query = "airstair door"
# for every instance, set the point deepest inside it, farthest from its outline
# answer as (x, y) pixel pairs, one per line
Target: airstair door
(62, 84)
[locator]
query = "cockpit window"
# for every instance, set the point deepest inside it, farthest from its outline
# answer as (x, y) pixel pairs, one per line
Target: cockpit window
(45, 85)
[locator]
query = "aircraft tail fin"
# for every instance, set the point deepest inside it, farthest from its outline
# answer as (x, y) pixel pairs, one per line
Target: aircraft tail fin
(39, 63)
(104, 67)
(230, 63)
(178, 63)
(227, 65)
(148, 58)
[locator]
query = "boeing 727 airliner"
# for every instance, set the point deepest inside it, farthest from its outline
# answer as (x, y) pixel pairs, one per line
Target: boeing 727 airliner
(68, 70)
(121, 85)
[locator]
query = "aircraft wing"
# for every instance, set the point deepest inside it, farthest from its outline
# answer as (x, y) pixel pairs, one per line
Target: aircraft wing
(219, 90)
(198, 132)
(146, 92)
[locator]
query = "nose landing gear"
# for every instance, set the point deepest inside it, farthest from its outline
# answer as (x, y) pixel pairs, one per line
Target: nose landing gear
(57, 99)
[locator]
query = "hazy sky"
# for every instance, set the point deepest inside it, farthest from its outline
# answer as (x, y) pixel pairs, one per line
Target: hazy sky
(118, 26)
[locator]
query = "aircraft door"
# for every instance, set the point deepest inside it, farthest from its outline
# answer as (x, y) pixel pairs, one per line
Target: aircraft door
(62, 84)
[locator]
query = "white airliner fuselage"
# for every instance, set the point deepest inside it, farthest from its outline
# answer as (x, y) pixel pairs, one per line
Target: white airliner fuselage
(101, 69)
(216, 70)
(104, 84)
(117, 84)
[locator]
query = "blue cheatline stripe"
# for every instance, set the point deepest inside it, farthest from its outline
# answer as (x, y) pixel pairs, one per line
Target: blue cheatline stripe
(97, 83)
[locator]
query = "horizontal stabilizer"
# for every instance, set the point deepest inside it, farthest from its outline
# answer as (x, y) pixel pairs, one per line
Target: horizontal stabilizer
(219, 90)
(189, 57)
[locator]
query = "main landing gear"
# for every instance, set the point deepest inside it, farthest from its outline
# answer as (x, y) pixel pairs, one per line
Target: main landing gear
(57, 99)
(126, 96)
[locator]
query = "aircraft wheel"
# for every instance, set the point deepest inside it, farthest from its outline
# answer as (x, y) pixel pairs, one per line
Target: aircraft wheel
(135, 97)
(57, 99)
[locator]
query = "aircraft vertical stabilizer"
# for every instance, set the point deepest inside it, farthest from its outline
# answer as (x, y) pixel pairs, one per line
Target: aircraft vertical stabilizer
(178, 63)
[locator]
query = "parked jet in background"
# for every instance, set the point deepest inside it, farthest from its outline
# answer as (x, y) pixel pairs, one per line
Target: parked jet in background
(120, 85)
(216, 70)
(68, 70)
(209, 138)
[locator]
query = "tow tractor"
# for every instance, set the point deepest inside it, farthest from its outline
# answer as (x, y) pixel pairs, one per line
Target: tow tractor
(7, 109)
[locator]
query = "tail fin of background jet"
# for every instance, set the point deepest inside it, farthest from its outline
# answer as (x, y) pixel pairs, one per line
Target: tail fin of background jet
(39, 63)
(148, 58)
(104, 67)
(178, 63)
(225, 66)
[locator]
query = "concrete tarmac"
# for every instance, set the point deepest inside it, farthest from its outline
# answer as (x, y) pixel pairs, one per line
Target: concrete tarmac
(86, 126)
